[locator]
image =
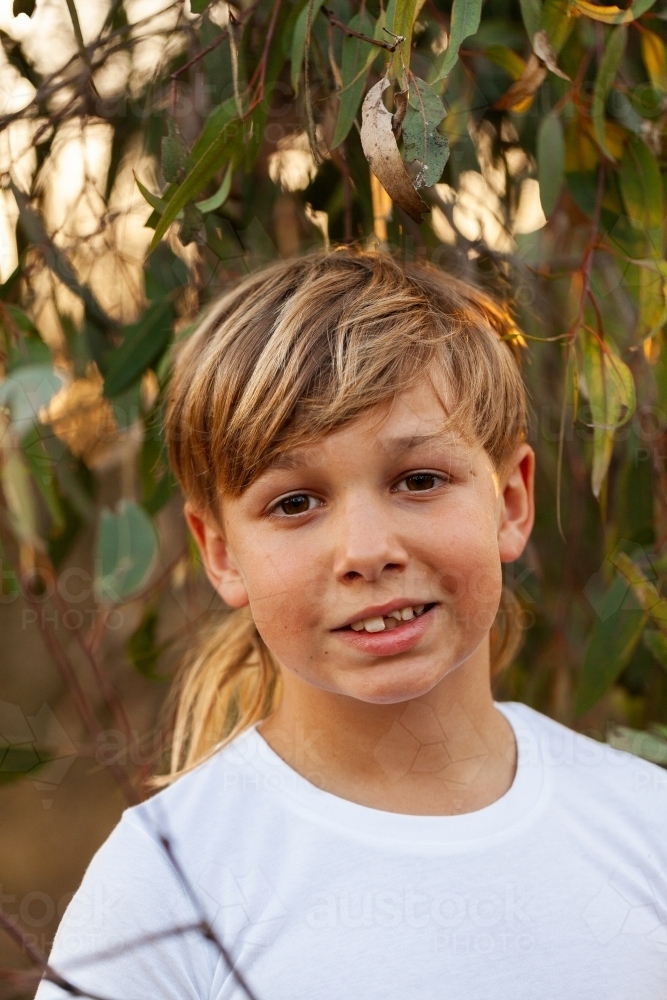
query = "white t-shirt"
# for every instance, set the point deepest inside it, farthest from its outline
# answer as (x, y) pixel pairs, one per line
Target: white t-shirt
(556, 890)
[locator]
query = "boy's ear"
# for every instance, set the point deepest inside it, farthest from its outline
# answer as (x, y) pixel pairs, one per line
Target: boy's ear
(218, 560)
(517, 512)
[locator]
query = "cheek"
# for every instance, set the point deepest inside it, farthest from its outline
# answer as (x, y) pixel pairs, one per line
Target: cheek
(283, 589)
(468, 568)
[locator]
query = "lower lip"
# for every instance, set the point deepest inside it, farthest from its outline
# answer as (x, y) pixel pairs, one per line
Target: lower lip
(391, 641)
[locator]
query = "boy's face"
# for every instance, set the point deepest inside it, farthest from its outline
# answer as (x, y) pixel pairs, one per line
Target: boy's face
(386, 515)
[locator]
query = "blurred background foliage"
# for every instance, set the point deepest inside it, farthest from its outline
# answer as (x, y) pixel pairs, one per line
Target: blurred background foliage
(152, 151)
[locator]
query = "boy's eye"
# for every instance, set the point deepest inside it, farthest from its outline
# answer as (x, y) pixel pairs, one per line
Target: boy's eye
(420, 481)
(297, 504)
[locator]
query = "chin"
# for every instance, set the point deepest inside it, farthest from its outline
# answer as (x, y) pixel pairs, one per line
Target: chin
(398, 683)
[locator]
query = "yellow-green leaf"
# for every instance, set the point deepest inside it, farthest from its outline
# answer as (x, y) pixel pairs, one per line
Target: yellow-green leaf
(557, 23)
(507, 59)
(607, 69)
(612, 14)
(611, 395)
(655, 58)
(646, 593)
(641, 187)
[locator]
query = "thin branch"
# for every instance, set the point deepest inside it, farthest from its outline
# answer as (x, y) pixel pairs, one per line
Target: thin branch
(206, 928)
(337, 23)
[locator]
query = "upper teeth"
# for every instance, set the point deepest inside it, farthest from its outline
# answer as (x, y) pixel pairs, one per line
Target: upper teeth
(379, 624)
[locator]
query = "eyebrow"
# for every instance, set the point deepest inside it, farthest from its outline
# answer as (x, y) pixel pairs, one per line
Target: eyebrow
(296, 459)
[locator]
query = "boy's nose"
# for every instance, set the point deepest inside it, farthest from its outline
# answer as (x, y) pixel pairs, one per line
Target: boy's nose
(366, 544)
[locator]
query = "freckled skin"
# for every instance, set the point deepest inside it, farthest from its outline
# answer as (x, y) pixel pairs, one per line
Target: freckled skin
(367, 532)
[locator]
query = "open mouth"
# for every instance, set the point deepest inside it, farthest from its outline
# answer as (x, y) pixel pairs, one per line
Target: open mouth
(395, 619)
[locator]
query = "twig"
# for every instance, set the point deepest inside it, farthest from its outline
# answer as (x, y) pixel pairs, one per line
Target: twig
(206, 928)
(331, 17)
(39, 959)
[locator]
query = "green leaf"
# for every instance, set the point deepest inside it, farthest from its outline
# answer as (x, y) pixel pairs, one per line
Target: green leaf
(531, 12)
(299, 42)
(550, 161)
(557, 23)
(611, 645)
(153, 200)
(125, 552)
(199, 6)
(226, 147)
(174, 153)
(611, 60)
(192, 226)
(144, 342)
(506, 58)
(356, 60)
(215, 123)
(220, 196)
(143, 649)
(404, 14)
(611, 394)
(466, 16)
(16, 486)
(25, 392)
(422, 140)
(656, 643)
(641, 188)
(652, 297)
(43, 475)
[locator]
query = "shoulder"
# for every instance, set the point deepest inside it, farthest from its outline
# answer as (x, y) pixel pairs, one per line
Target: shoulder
(208, 798)
(590, 775)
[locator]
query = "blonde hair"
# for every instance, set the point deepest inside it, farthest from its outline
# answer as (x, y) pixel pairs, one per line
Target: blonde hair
(282, 358)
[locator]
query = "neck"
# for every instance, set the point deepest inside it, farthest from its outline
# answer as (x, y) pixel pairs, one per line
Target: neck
(448, 751)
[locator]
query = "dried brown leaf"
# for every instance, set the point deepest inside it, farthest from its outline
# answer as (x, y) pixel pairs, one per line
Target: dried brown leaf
(534, 74)
(381, 151)
(543, 50)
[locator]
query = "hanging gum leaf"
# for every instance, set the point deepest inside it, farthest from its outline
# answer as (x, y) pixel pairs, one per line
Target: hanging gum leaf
(381, 151)
(550, 161)
(611, 395)
(227, 147)
(299, 42)
(606, 74)
(466, 16)
(174, 153)
(125, 552)
(357, 58)
(220, 197)
(641, 187)
(612, 642)
(403, 13)
(422, 140)
(144, 342)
